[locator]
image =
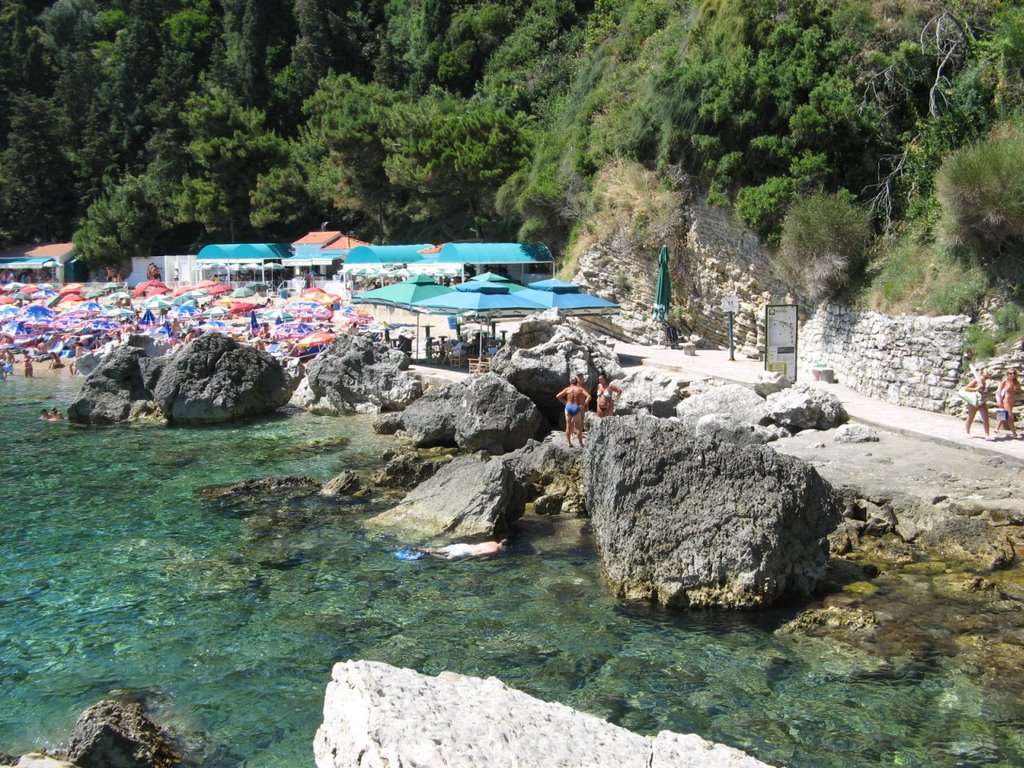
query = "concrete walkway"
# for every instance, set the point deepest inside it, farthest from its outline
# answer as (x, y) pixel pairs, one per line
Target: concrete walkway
(936, 427)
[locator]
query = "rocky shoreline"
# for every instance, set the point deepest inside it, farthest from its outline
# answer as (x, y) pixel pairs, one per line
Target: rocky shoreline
(865, 533)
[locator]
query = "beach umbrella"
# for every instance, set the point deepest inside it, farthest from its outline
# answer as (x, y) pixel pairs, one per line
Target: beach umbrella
(243, 293)
(90, 307)
(257, 286)
(567, 298)
(119, 296)
(95, 294)
(407, 292)
(254, 324)
(8, 311)
(481, 300)
(217, 288)
(118, 312)
(217, 312)
(13, 286)
(185, 300)
(184, 310)
(663, 293)
(148, 318)
(279, 315)
(21, 296)
(147, 285)
(112, 286)
(158, 302)
(72, 288)
(157, 290)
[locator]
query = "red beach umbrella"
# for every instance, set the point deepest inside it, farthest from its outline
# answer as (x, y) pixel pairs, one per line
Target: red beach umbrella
(141, 288)
(217, 288)
(71, 288)
(157, 290)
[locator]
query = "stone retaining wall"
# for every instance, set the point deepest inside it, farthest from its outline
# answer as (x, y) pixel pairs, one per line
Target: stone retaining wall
(908, 360)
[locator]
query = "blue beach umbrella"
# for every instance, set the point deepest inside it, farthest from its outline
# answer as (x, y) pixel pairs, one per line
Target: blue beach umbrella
(483, 300)
(148, 318)
(254, 324)
(569, 299)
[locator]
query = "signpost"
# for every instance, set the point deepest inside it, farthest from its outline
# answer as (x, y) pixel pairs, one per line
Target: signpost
(730, 305)
(780, 331)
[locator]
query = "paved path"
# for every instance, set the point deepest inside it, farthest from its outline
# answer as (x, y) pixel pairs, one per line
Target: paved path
(937, 427)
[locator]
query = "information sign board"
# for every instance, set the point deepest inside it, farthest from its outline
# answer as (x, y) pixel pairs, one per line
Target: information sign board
(730, 303)
(780, 332)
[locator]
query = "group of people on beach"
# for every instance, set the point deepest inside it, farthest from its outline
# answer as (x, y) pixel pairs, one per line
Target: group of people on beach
(576, 399)
(975, 395)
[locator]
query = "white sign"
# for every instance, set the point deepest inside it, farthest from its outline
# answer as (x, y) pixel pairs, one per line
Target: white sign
(731, 304)
(781, 337)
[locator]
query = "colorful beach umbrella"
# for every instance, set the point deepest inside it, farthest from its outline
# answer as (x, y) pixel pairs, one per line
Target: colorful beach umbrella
(148, 285)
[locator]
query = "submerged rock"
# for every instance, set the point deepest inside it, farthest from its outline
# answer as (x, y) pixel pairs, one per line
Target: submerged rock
(376, 714)
(114, 734)
(691, 522)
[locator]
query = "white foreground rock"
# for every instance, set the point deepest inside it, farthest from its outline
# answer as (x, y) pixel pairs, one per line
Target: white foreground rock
(379, 716)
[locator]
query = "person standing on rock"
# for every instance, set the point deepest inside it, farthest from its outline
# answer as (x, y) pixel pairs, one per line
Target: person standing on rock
(607, 394)
(575, 398)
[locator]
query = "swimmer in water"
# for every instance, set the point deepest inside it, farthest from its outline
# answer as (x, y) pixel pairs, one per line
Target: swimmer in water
(462, 551)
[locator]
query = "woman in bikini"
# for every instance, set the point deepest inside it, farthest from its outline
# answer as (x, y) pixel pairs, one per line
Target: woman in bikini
(607, 394)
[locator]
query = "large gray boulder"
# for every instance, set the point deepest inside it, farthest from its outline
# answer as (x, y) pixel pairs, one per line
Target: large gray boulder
(358, 375)
(379, 715)
(216, 379)
(692, 522)
(116, 734)
(649, 390)
(803, 407)
(116, 390)
(545, 352)
(213, 379)
(483, 412)
(737, 403)
(466, 498)
(549, 476)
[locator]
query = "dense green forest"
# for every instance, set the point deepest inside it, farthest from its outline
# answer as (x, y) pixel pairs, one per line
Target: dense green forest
(873, 141)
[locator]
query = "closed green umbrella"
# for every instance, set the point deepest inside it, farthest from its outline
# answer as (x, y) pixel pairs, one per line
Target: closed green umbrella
(663, 293)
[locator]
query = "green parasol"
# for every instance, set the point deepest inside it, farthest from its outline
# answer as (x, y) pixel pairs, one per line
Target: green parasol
(663, 293)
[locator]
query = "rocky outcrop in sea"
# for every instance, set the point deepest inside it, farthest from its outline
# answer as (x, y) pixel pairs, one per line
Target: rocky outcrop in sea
(379, 715)
(692, 522)
(213, 379)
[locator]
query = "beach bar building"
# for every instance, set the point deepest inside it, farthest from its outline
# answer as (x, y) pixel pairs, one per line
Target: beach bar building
(40, 263)
(238, 261)
(323, 253)
(523, 263)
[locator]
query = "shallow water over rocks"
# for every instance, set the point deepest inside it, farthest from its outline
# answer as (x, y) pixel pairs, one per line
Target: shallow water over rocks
(115, 575)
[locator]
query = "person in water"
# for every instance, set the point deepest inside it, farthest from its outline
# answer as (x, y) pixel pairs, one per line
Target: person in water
(575, 398)
(461, 551)
(607, 395)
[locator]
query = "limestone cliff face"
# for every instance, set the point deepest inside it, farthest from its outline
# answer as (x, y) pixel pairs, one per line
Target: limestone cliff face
(712, 256)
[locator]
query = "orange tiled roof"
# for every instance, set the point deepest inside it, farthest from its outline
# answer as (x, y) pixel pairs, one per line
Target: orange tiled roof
(50, 251)
(317, 238)
(344, 243)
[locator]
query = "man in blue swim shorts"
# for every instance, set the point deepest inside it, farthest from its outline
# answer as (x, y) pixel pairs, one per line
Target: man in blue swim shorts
(575, 398)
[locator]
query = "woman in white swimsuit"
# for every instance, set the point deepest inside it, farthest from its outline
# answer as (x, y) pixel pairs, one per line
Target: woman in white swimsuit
(607, 394)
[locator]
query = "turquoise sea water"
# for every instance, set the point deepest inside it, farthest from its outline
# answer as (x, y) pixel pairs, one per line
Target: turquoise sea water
(115, 576)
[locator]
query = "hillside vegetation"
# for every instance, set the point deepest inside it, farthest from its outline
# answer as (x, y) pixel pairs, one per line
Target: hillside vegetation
(877, 143)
